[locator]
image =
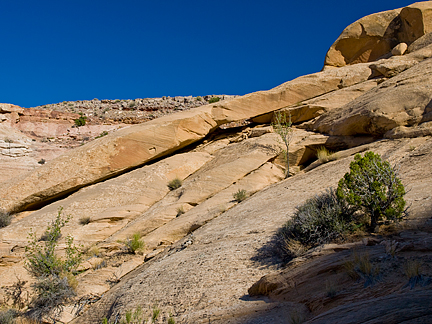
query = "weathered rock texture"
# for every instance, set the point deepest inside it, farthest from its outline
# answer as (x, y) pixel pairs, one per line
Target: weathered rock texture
(374, 36)
(207, 256)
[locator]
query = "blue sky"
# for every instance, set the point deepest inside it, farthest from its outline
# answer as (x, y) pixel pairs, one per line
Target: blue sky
(53, 51)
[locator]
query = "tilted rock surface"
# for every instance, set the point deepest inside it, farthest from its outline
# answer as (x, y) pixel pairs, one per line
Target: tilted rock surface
(139, 144)
(209, 257)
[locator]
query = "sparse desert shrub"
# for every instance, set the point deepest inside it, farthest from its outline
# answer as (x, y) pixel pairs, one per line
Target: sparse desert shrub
(199, 98)
(41, 259)
(134, 243)
(7, 316)
(41, 161)
(174, 184)
(104, 133)
(325, 155)
(51, 293)
(81, 121)
(240, 195)
(84, 220)
(17, 294)
(373, 186)
(55, 283)
(5, 218)
(412, 269)
(319, 220)
(214, 99)
(156, 312)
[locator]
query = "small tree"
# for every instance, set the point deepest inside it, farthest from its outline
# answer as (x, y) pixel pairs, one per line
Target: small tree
(283, 127)
(81, 121)
(373, 186)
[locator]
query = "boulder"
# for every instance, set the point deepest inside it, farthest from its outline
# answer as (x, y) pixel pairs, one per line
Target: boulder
(374, 36)
(365, 40)
(399, 49)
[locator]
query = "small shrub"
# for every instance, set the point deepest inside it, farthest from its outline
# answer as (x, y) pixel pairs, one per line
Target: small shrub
(41, 161)
(81, 121)
(174, 184)
(240, 195)
(7, 316)
(15, 294)
(104, 133)
(156, 312)
(321, 219)
(372, 186)
(412, 269)
(5, 218)
(214, 99)
(171, 319)
(199, 98)
(51, 293)
(84, 220)
(325, 155)
(41, 259)
(132, 104)
(134, 243)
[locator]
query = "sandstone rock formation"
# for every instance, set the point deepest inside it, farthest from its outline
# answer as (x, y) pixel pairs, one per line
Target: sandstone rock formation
(374, 36)
(208, 257)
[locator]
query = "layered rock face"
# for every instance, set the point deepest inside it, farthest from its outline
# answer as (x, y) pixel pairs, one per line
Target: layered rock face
(374, 36)
(209, 256)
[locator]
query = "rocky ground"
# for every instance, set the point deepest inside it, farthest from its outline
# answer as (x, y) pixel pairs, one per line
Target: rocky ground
(209, 258)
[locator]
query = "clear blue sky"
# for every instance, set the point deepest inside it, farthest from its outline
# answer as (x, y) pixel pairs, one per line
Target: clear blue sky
(61, 50)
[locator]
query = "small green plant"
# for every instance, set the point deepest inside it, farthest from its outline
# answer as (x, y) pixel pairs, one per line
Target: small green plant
(132, 104)
(282, 126)
(81, 121)
(5, 218)
(55, 283)
(156, 312)
(213, 100)
(134, 243)
(41, 161)
(325, 155)
(41, 259)
(372, 186)
(240, 195)
(174, 184)
(84, 220)
(199, 98)
(104, 133)
(171, 319)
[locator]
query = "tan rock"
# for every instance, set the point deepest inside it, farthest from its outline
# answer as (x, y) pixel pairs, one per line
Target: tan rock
(403, 100)
(9, 108)
(309, 109)
(424, 129)
(365, 40)
(421, 42)
(416, 21)
(399, 49)
(374, 36)
(139, 144)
